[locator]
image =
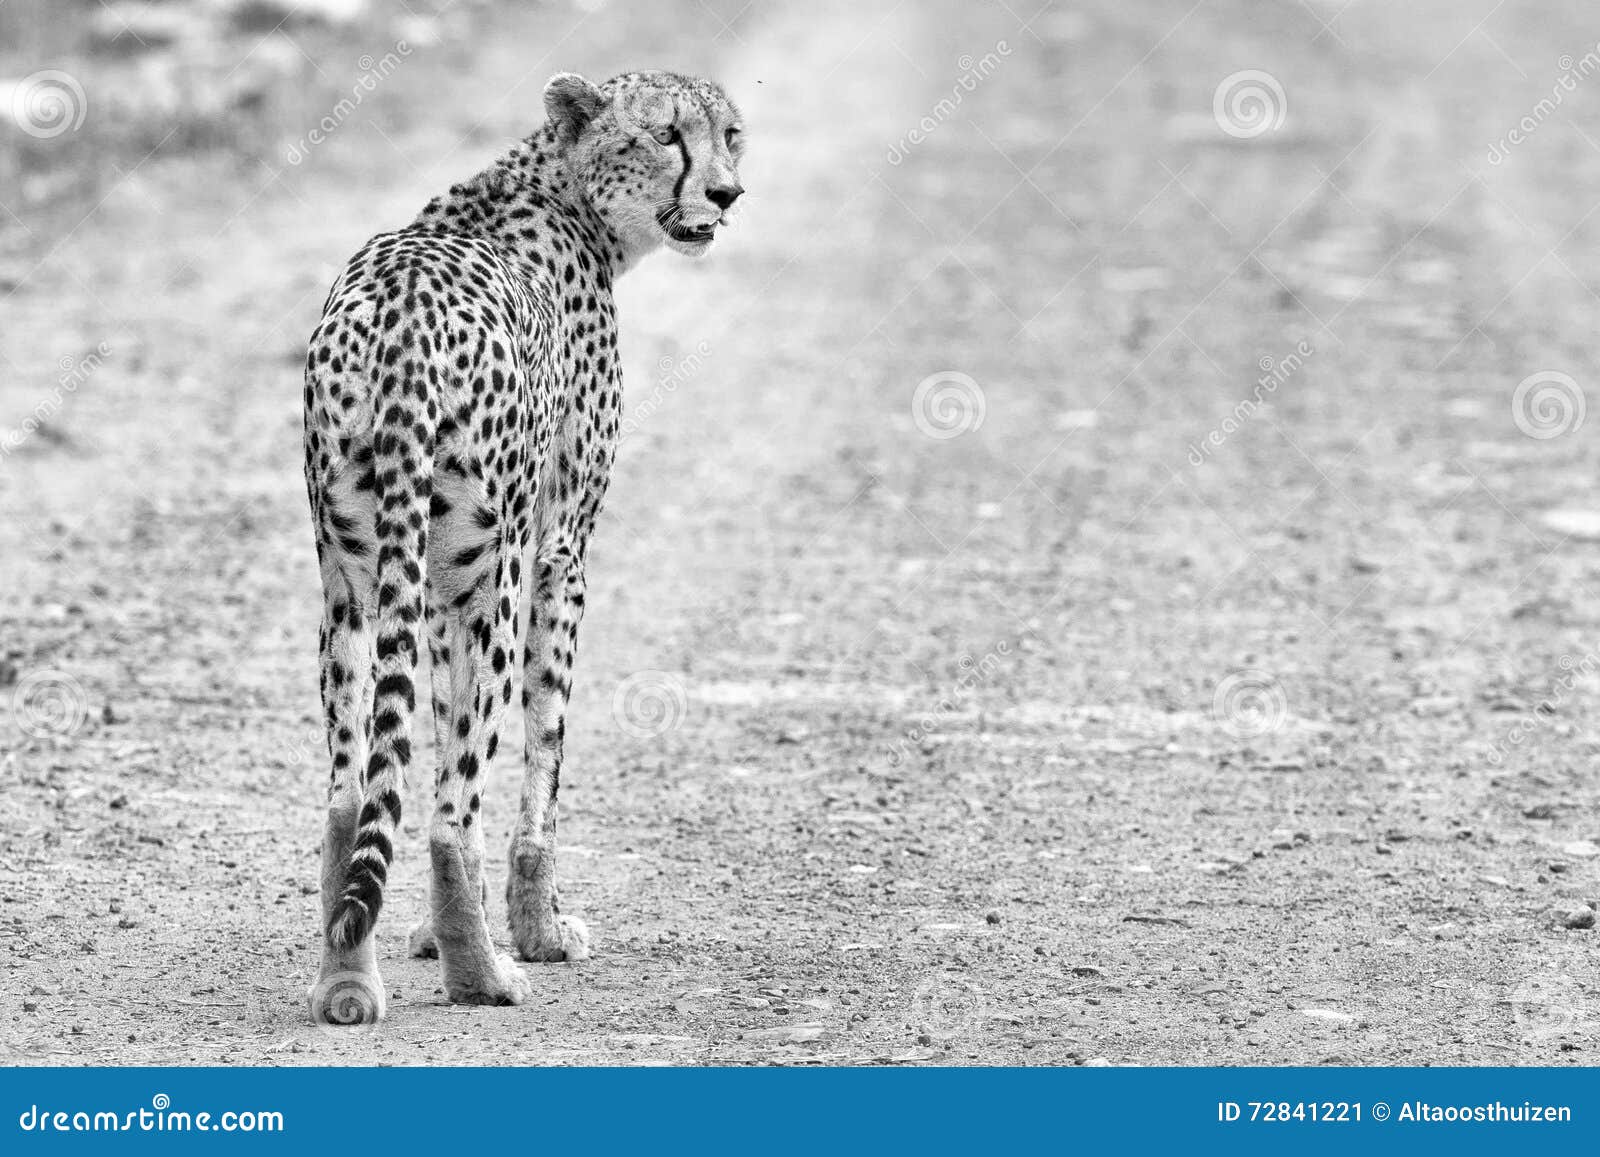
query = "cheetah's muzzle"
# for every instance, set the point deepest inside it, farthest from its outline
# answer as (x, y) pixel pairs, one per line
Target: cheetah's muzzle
(689, 235)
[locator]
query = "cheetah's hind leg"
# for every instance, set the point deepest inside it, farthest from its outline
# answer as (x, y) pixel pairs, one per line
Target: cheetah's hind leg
(348, 989)
(421, 942)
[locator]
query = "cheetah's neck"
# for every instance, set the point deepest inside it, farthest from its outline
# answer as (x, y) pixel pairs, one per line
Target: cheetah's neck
(523, 200)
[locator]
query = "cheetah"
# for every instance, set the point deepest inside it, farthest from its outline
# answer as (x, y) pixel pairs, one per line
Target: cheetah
(462, 408)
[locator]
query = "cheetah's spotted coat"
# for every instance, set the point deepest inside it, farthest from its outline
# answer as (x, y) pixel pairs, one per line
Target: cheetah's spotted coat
(462, 403)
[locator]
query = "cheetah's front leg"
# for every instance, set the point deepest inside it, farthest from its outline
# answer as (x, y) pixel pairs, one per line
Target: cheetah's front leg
(542, 933)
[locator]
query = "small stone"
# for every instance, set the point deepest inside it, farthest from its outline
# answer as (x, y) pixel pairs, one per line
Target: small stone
(1097, 1063)
(30, 1006)
(1580, 524)
(420, 31)
(1077, 420)
(992, 918)
(1579, 918)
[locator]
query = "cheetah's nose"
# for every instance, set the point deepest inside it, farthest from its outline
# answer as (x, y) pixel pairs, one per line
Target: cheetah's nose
(723, 196)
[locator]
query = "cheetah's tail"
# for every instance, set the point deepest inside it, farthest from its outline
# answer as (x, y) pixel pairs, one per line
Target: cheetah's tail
(404, 471)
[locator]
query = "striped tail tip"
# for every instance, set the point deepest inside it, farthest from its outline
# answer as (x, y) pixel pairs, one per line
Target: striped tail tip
(351, 923)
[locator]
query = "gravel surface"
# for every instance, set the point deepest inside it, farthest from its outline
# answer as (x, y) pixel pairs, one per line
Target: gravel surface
(982, 664)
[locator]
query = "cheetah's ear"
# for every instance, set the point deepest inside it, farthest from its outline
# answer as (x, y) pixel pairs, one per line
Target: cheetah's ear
(571, 102)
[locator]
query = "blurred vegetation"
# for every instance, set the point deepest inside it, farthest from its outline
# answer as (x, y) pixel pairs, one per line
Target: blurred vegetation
(141, 78)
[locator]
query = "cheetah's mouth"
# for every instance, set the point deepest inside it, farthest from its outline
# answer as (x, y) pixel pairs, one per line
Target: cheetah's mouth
(688, 235)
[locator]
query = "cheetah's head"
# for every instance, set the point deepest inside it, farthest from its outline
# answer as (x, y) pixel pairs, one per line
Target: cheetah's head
(657, 154)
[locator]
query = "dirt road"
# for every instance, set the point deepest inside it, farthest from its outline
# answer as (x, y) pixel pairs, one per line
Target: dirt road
(983, 664)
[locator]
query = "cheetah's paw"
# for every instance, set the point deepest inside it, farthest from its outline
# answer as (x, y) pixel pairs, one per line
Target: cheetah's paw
(506, 984)
(422, 941)
(572, 946)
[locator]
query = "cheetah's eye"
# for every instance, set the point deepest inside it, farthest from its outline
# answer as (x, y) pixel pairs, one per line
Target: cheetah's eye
(731, 136)
(666, 136)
